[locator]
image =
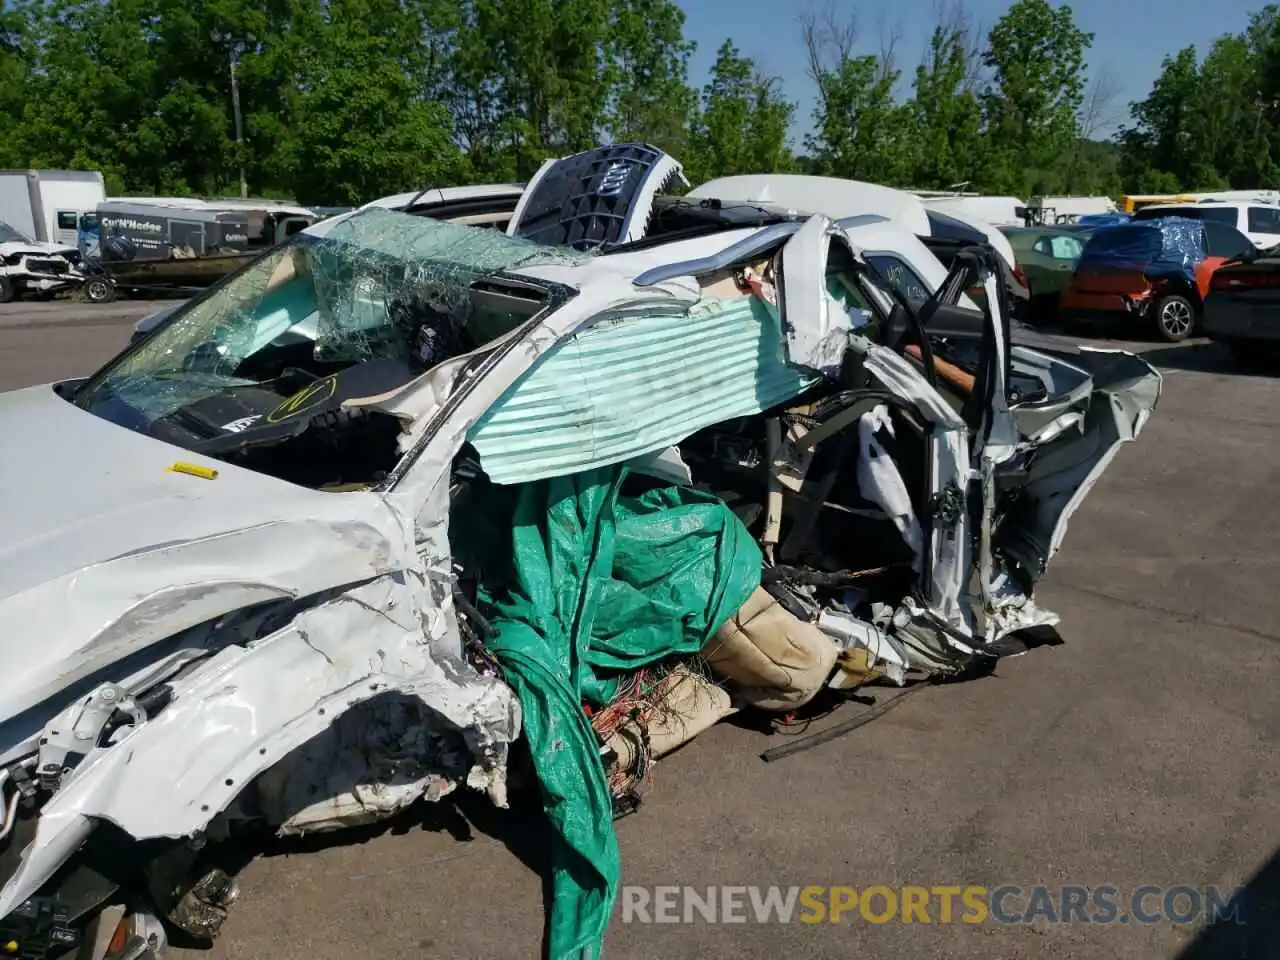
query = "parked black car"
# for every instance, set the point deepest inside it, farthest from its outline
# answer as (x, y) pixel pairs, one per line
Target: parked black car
(1242, 309)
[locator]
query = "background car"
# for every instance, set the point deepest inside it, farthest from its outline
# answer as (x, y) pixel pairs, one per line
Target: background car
(1258, 221)
(1151, 271)
(1242, 310)
(1047, 257)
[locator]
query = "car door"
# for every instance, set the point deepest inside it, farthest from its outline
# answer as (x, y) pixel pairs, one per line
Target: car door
(1055, 262)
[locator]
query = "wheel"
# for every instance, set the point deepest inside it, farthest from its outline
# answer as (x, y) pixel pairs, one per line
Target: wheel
(99, 290)
(7, 292)
(1175, 317)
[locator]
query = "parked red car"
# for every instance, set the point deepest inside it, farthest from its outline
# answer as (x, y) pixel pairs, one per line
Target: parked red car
(1154, 272)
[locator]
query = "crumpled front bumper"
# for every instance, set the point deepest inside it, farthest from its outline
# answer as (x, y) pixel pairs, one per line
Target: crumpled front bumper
(251, 707)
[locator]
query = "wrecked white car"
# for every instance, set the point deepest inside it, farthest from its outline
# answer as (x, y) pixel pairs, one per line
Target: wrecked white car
(32, 265)
(340, 530)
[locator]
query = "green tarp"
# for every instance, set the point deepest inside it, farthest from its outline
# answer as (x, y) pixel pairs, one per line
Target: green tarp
(583, 584)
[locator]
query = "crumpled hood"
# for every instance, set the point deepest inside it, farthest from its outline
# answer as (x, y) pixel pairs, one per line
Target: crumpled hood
(34, 248)
(105, 550)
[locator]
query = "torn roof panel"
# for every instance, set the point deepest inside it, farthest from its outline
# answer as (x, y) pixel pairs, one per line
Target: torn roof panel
(624, 388)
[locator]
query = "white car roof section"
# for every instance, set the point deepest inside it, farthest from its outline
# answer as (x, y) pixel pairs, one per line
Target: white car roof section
(449, 195)
(832, 196)
(838, 198)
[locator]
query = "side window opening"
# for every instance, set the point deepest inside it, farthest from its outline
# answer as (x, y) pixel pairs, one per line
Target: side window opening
(901, 277)
(1064, 248)
(1225, 215)
(1264, 220)
(1224, 241)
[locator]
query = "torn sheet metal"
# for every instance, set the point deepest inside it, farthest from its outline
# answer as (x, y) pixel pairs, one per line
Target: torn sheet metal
(880, 482)
(1010, 610)
(997, 435)
(816, 326)
(885, 654)
(948, 550)
(252, 706)
(1125, 391)
(1066, 393)
(666, 465)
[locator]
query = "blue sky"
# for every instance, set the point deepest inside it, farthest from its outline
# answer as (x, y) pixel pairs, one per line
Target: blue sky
(1131, 36)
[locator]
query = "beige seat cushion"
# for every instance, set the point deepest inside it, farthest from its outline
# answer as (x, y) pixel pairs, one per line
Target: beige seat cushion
(776, 661)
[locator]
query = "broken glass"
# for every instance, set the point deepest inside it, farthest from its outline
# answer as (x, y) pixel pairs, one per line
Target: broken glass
(379, 261)
(377, 285)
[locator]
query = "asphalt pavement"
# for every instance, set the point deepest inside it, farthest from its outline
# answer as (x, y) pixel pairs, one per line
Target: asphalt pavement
(1141, 751)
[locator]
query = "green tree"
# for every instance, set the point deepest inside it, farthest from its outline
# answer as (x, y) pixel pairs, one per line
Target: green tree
(743, 122)
(652, 101)
(1200, 127)
(859, 128)
(1162, 143)
(1035, 53)
(860, 131)
(93, 102)
(364, 126)
(530, 80)
(16, 59)
(945, 112)
(1231, 126)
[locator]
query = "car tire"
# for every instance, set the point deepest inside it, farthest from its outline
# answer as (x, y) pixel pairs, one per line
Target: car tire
(99, 290)
(7, 291)
(1175, 317)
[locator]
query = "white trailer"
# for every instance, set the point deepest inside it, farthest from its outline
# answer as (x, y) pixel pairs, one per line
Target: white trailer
(45, 205)
(39, 219)
(998, 211)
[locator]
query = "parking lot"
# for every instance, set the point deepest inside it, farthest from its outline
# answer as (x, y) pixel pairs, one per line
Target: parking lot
(1143, 751)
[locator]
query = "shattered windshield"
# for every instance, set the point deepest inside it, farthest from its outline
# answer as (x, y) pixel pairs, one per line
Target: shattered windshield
(377, 286)
(9, 235)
